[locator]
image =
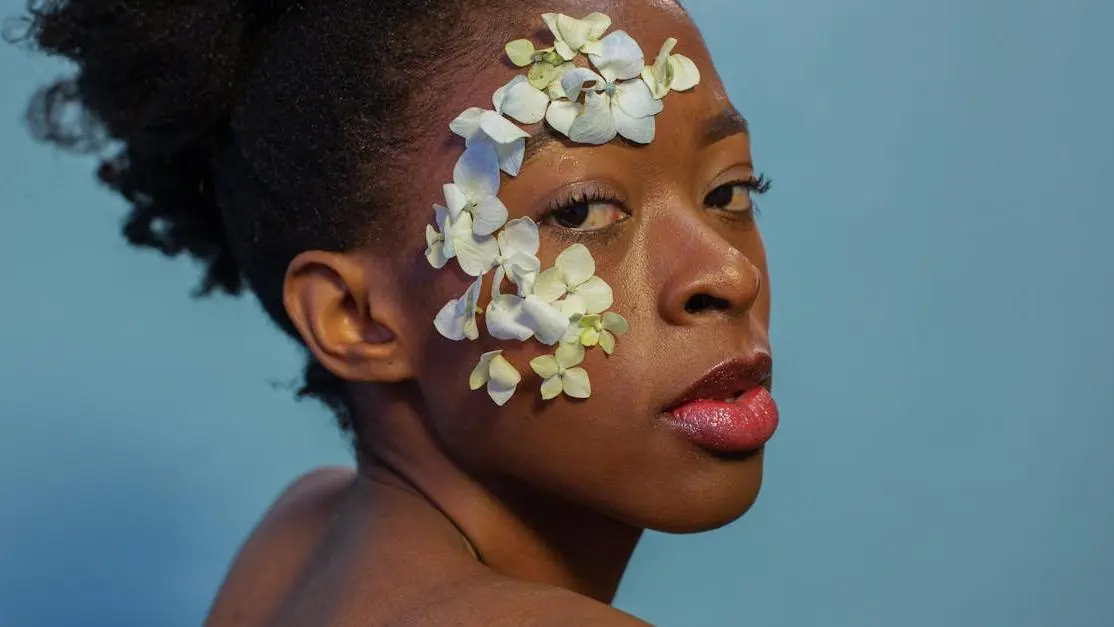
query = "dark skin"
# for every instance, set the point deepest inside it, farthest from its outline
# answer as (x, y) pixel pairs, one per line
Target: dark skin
(462, 512)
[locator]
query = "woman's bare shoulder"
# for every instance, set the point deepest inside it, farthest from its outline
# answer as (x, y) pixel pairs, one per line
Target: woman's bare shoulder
(271, 559)
(496, 601)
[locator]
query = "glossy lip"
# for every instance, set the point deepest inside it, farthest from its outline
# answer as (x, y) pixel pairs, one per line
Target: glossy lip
(728, 379)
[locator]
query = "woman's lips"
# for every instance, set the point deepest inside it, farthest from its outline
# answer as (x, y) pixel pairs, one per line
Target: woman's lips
(730, 408)
(742, 426)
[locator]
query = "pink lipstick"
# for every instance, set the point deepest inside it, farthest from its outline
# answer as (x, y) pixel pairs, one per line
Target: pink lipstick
(729, 409)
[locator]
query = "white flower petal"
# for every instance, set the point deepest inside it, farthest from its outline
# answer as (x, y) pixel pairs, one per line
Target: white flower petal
(563, 49)
(555, 90)
(552, 387)
(572, 333)
(542, 74)
(548, 321)
(500, 396)
(615, 323)
(573, 82)
(505, 319)
(595, 125)
(457, 319)
(561, 115)
(685, 73)
(620, 59)
(545, 366)
(466, 124)
(455, 200)
(637, 130)
(489, 215)
(523, 269)
(475, 253)
(576, 264)
(635, 99)
(447, 323)
(500, 129)
(661, 64)
(658, 89)
(477, 171)
(502, 374)
(576, 383)
(479, 375)
(570, 354)
(519, 236)
(520, 52)
(596, 295)
(598, 23)
(575, 32)
(550, 285)
(607, 342)
(511, 156)
(572, 305)
(435, 247)
(522, 101)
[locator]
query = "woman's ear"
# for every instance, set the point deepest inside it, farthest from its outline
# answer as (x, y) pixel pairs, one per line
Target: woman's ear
(344, 306)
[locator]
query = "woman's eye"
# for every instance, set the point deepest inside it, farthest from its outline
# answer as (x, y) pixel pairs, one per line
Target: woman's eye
(586, 216)
(732, 197)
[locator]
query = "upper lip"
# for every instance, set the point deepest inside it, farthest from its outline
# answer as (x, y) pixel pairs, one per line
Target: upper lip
(729, 378)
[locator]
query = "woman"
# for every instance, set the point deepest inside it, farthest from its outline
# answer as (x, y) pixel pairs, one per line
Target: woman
(571, 347)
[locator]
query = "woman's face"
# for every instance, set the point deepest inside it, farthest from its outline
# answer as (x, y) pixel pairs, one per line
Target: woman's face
(669, 228)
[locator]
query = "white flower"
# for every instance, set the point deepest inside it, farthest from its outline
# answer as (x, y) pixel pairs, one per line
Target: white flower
(559, 374)
(478, 125)
(457, 319)
(457, 238)
(670, 71)
(518, 244)
(511, 317)
(499, 375)
(521, 100)
(474, 188)
(592, 329)
(572, 36)
(574, 275)
(614, 103)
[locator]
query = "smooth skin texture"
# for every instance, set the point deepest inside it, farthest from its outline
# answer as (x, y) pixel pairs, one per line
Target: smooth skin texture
(465, 513)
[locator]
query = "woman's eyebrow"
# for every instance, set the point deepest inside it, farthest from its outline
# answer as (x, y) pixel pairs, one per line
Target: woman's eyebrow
(723, 125)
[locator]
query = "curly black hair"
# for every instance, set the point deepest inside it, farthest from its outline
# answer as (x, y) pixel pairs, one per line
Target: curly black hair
(243, 132)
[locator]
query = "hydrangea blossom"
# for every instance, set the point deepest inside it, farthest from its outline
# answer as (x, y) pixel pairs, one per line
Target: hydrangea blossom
(574, 278)
(478, 125)
(670, 71)
(518, 244)
(616, 101)
(474, 188)
(498, 374)
(457, 238)
(560, 374)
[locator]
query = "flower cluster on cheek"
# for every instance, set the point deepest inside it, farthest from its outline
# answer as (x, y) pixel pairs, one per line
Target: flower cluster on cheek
(566, 305)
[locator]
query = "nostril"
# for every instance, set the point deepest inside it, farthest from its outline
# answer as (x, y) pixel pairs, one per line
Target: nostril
(705, 302)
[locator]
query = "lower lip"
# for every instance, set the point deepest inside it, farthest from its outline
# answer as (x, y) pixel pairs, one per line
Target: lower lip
(742, 426)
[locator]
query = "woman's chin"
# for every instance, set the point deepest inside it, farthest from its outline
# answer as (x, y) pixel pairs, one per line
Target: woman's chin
(701, 502)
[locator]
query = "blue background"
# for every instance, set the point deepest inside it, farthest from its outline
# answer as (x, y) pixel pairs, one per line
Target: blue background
(940, 242)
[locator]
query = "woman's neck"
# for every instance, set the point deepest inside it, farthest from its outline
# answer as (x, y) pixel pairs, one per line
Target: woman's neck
(512, 527)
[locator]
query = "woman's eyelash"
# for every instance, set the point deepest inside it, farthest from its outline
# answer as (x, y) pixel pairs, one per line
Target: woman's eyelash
(757, 185)
(583, 197)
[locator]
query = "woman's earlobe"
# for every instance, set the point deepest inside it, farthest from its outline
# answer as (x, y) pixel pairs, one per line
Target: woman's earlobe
(345, 316)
